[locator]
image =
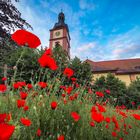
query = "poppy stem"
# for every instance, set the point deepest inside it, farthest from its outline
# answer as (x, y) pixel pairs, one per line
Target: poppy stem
(16, 66)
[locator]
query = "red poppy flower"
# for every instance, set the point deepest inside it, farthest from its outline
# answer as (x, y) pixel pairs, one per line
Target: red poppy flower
(123, 114)
(75, 95)
(65, 101)
(77, 85)
(114, 134)
(3, 88)
(69, 89)
(23, 95)
(107, 119)
(42, 84)
(38, 133)
(92, 124)
(6, 131)
(20, 103)
(71, 98)
(133, 103)
(22, 37)
(25, 122)
(63, 95)
(48, 52)
(4, 79)
(16, 86)
(53, 105)
(107, 91)
(75, 116)
(93, 109)
(19, 85)
(129, 126)
(100, 94)
(61, 137)
(101, 108)
(63, 87)
(90, 91)
(73, 79)
(114, 120)
(68, 72)
(29, 86)
(3, 117)
(98, 117)
(47, 61)
(107, 126)
(26, 108)
(136, 116)
(124, 125)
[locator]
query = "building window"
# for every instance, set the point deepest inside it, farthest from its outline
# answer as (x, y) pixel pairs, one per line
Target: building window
(57, 44)
(137, 67)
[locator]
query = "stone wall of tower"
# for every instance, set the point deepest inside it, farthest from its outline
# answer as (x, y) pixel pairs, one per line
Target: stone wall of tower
(60, 34)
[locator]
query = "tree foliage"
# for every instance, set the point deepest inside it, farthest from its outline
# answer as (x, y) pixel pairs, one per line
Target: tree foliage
(10, 18)
(134, 93)
(25, 64)
(82, 71)
(118, 89)
(61, 57)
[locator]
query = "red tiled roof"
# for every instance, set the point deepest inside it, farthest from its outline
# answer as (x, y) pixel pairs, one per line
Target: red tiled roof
(120, 66)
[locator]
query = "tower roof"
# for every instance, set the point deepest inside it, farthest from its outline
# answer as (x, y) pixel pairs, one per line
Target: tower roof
(61, 21)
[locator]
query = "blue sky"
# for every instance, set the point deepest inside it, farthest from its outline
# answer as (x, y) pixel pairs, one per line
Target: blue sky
(99, 29)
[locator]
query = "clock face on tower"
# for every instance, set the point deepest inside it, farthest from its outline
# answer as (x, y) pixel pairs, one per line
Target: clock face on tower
(57, 33)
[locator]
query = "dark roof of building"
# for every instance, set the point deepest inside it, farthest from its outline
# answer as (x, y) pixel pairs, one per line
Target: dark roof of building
(118, 66)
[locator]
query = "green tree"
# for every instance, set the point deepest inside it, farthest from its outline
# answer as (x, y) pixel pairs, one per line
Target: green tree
(134, 93)
(82, 71)
(10, 18)
(100, 84)
(61, 57)
(118, 89)
(25, 61)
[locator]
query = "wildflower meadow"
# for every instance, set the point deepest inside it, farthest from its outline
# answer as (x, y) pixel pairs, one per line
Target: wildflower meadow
(48, 110)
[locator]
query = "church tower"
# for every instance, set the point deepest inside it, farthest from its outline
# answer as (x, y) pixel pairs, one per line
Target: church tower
(59, 34)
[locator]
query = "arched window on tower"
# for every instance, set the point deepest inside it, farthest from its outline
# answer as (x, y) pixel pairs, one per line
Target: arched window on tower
(57, 44)
(137, 67)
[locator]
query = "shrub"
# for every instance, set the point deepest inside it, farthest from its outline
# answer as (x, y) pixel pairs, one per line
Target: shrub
(134, 93)
(82, 71)
(117, 88)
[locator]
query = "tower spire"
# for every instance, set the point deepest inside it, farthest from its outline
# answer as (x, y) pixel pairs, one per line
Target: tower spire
(61, 17)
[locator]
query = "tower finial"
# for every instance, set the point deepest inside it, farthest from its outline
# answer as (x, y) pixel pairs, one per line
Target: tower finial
(61, 10)
(61, 17)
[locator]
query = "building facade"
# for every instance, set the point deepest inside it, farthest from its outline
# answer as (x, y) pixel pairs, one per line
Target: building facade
(127, 70)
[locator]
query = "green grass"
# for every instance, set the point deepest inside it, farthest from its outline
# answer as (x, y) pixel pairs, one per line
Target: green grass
(59, 121)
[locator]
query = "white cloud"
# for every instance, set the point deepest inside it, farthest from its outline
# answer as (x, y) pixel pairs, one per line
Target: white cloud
(86, 5)
(40, 25)
(125, 45)
(122, 46)
(87, 47)
(84, 51)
